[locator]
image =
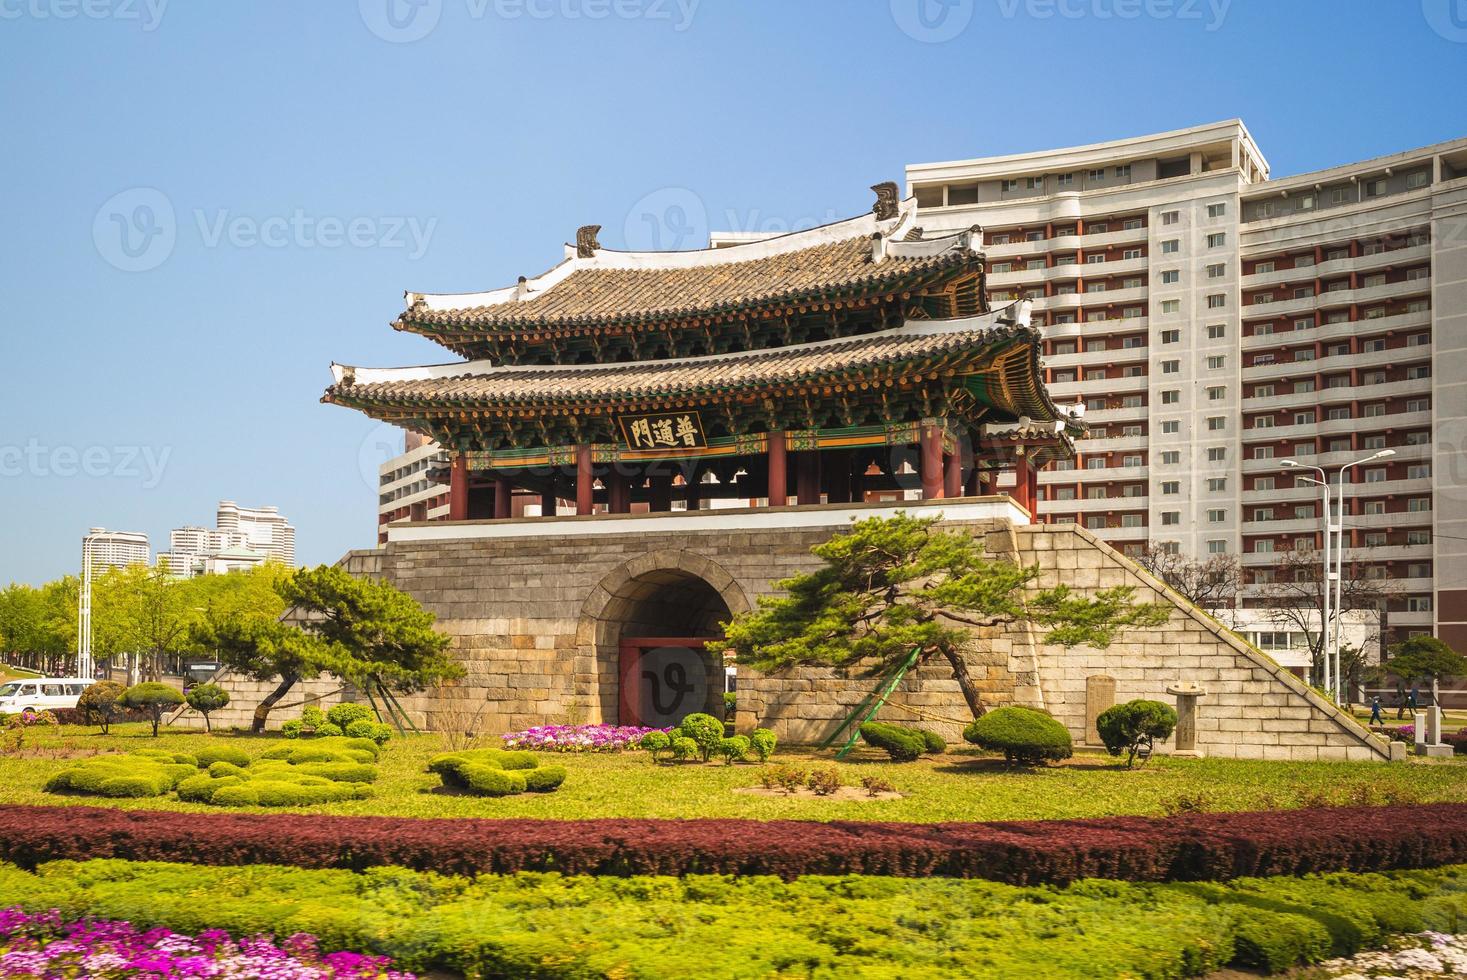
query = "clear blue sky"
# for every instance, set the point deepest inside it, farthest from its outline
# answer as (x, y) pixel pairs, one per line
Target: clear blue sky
(317, 162)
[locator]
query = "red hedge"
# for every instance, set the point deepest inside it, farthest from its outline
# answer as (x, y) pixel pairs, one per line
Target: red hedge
(1193, 847)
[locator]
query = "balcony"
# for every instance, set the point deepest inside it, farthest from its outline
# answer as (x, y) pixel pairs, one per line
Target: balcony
(1061, 273)
(1337, 362)
(1097, 358)
(1063, 391)
(1069, 301)
(1415, 255)
(1332, 396)
(1097, 328)
(1065, 243)
(1340, 331)
(1113, 445)
(1102, 475)
(1107, 505)
(1099, 415)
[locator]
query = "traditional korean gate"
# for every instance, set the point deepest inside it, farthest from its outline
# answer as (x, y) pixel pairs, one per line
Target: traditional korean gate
(665, 678)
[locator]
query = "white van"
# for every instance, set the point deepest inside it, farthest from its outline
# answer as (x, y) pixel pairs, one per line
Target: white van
(29, 695)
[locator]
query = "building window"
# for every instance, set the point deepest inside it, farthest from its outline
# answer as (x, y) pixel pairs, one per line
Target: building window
(1123, 171)
(1171, 457)
(1170, 276)
(1171, 246)
(1263, 546)
(1217, 546)
(1217, 239)
(1171, 396)
(1216, 393)
(1216, 516)
(1217, 423)
(1418, 537)
(1131, 253)
(1010, 185)
(1216, 331)
(1216, 361)
(1131, 520)
(1217, 270)
(1419, 179)
(1171, 306)
(1377, 475)
(1064, 180)
(1217, 301)
(1095, 175)
(1171, 336)
(1170, 217)
(1170, 427)
(1216, 210)
(1419, 505)
(1171, 488)
(1418, 471)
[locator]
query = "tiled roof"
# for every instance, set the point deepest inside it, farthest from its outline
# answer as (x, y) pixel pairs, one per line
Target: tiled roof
(613, 295)
(971, 344)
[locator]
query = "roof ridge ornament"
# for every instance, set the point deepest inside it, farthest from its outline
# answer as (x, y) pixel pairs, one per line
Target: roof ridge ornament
(586, 243)
(888, 200)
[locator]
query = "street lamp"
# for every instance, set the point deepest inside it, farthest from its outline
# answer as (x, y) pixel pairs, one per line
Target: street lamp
(1340, 555)
(1324, 632)
(84, 665)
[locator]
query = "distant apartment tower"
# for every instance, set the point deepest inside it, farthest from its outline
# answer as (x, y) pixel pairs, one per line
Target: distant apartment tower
(413, 486)
(1215, 322)
(260, 529)
(115, 549)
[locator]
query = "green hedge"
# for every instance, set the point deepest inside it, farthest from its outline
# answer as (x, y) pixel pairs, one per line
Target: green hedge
(145, 773)
(1023, 735)
(495, 772)
(545, 925)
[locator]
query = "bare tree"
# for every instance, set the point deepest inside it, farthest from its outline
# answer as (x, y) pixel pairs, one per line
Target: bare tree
(1210, 584)
(1293, 598)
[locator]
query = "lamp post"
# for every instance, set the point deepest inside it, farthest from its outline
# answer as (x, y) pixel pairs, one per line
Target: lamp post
(1340, 560)
(1324, 632)
(84, 665)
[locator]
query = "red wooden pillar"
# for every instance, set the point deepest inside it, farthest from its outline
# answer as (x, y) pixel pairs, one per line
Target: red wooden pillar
(807, 477)
(458, 488)
(503, 498)
(1034, 491)
(585, 492)
(952, 473)
(931, 462)
(778, 476)
(1022, 484)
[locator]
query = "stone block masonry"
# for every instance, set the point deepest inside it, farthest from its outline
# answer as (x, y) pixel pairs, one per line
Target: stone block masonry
(538, 622)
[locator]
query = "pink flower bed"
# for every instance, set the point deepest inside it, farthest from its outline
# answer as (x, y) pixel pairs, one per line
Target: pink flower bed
(44, 945)
(578, 738)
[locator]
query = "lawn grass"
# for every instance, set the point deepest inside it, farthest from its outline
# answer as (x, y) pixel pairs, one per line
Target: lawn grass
(962, 784)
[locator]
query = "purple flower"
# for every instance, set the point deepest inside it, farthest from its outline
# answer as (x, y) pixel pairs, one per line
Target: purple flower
(578, 738)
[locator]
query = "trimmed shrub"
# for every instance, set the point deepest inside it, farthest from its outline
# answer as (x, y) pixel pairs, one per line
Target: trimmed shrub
(543, 779)
(495, 772)
(211, 754)
(706, 732)
(933, 743)
(346, 713)
(326, 750)
(657, 743)
(1023, 735)
(100, 704)
(206, 699)
(365, 728)
(1194, 847)
(684, 748)
(293, 728)
(120, 775)
(902, 744)
(153, 698)
(733, 749)
(1135, 726)
(763, 742)
(329, 730)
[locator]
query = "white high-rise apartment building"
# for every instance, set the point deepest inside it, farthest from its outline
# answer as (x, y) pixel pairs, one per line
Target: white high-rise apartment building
(260, 529)
(1215, 322)
(115, 549)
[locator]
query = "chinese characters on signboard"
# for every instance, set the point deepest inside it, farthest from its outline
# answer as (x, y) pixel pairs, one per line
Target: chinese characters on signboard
(675, 430)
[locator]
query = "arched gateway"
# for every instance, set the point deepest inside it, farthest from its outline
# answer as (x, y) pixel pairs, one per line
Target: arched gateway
(644, 626)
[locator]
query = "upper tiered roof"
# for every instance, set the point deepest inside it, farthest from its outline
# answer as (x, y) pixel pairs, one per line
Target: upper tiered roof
(600, 305)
